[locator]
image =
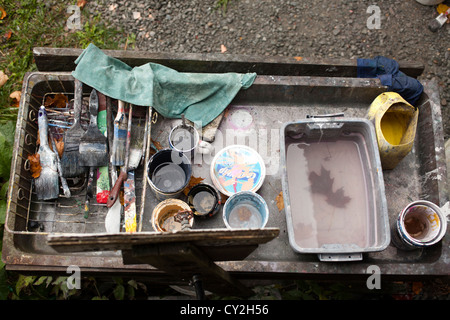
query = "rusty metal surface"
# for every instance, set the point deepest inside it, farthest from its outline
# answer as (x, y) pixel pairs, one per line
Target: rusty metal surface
(271, 101)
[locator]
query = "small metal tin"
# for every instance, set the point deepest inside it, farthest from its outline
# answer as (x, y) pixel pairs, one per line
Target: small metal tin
(164, 216)
(166, 187)
(184, 138)
(204, 200)
(245, 210)
(421, 224)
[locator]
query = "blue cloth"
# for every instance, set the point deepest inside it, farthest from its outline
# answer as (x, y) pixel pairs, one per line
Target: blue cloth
(387, 70)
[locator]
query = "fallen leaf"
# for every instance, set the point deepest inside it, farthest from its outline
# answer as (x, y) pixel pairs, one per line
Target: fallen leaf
(16, 95)
(194, 181)
(223, 48)
(279, 201)
(298, 58)
(81, 3)
(3, 13)
(417, 287)
(156, 144)
(59, 101)
(7, 35)
(441, 8)
(35, 165)
(59, 143)
(223, 198)
(3, 78)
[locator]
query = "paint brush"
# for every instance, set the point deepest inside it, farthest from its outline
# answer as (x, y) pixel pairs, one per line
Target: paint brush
(93, 144)
(47, 184)
(120, 135)
(440, 20)
(70, 160)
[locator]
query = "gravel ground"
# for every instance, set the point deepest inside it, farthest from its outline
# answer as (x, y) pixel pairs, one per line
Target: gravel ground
(313, 28)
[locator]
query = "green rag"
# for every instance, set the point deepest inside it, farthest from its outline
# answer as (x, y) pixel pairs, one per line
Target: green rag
(201, 97)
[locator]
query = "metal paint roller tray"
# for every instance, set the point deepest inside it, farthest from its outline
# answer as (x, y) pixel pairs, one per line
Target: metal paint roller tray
(333, 188)
(31, 220)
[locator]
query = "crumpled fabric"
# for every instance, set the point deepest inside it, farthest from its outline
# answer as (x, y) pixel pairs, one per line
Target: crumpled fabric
(201, 97)
(387, 70)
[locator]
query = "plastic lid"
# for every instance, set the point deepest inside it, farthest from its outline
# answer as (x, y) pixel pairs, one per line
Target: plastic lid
(237, 168)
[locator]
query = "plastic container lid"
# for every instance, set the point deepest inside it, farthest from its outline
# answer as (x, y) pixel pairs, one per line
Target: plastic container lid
(237, 168)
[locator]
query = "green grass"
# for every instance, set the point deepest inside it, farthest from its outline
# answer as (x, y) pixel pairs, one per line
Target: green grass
(29, 24)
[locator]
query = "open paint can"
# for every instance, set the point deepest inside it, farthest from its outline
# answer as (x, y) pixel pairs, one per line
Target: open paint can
(245, 210)
(204, 200)
(184, 138)
(172, 215)
(169, 173)
(421, 224)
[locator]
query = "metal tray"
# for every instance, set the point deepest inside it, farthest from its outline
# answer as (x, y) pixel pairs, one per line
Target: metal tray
(30, 219)
(271, 101)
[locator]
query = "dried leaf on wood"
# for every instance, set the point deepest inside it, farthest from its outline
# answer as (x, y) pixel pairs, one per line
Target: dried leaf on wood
(35, 165)
(156, 144)
(194, 181)
(58, 101)
(279, 200)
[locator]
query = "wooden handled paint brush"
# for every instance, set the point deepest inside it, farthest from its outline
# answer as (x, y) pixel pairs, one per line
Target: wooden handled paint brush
(137, 138)
(64, 184)
(93, 145)
(120, 136)
(440, 20)
(112, 219)
(124, 169)
(102, 172)
(70, 160)
(47, 184)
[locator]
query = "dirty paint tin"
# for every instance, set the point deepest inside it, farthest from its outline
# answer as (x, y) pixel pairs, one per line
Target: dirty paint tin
(204, 200)
(420, 224)
(172, 215)
(184, 138)
(168, 173)
(237, 168)
(245, 210)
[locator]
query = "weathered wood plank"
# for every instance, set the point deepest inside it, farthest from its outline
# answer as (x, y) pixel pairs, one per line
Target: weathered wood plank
(62, 59)
(183, 261)
(214, 238)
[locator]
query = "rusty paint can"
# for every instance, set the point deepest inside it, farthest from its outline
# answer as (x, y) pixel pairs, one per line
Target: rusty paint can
(172, 215)
(420, 224)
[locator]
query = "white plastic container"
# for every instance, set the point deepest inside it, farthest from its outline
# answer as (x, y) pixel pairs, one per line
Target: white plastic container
(430, 2)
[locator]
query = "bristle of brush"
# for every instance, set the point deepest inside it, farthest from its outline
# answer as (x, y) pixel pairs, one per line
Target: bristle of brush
(119, 143)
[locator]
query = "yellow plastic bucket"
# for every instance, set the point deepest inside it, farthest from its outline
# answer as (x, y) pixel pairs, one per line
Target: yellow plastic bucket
(395, 123)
